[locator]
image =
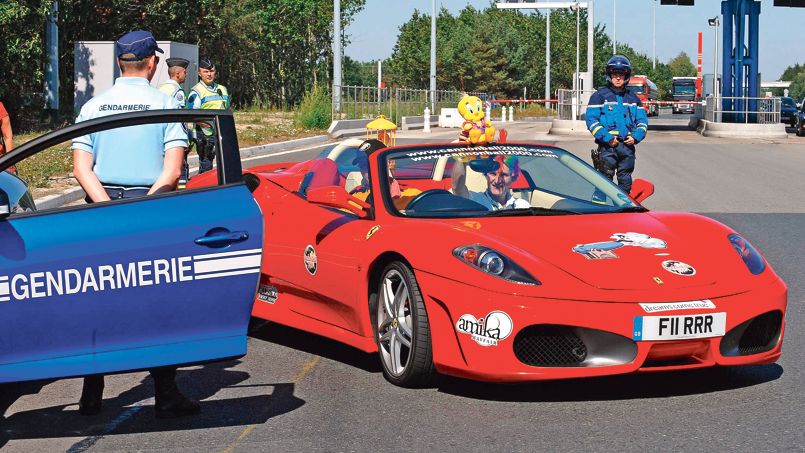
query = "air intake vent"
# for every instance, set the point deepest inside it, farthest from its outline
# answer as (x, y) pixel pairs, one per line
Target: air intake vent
(759, 334)
(549, 346)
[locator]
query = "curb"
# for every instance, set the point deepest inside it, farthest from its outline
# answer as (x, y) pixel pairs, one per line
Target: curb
(76, 193)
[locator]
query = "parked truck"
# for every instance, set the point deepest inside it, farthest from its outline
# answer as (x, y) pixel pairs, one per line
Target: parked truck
(683, 89)
(648, 93)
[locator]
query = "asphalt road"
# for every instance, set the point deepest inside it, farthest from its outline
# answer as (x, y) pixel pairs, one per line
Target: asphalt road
(298, 392)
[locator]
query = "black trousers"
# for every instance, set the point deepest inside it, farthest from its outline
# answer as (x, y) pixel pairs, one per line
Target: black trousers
(620, 160)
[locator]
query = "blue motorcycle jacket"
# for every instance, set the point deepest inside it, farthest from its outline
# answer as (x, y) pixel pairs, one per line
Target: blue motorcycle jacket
(613, 113)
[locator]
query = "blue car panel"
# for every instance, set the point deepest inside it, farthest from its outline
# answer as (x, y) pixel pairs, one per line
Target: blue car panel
(119, 286)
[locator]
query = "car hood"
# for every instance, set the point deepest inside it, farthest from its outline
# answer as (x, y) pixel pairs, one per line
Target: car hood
(634, 251)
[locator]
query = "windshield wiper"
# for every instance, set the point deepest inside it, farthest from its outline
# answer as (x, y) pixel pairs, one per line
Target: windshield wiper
(530, 211)
(631, 209)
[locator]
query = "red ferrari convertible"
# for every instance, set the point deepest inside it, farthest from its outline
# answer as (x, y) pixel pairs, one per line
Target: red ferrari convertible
(510, 262)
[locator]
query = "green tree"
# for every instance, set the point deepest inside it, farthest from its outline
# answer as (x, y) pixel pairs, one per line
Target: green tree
(681, 66)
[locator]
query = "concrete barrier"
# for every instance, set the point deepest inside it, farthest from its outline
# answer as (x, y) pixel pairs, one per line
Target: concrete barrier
(417, 122)
(449, 117)
(741, 130)
(345, 128)
(568, 127)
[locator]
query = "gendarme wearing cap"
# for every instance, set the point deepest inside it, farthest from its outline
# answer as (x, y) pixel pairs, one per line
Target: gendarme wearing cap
(136, 45)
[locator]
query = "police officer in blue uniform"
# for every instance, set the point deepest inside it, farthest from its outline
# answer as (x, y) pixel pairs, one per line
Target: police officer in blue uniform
(618, 122)
(132, 162)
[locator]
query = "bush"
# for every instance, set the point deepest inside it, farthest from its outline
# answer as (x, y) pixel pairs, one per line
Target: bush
(314, 112)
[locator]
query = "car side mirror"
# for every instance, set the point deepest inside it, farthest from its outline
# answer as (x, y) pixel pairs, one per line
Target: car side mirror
(5, 205)
(337, 197)
(641, 189)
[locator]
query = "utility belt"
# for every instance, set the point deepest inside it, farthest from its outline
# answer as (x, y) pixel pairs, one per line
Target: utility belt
(205, 145)
(118, 191)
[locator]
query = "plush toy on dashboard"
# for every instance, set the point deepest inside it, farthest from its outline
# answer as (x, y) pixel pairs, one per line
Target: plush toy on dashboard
(476, 129)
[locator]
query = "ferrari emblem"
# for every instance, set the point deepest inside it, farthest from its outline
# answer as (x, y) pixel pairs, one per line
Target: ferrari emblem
(394, 323)
(372, 231)
(658, 280)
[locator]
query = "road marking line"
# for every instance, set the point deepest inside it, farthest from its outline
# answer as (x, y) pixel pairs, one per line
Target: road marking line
(296, 379)
(90, 441)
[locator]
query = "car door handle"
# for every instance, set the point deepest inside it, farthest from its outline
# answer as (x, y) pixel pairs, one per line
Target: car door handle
(219, 239)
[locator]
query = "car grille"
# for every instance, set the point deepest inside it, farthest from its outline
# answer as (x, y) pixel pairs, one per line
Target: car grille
(549, 345)
(759, 334)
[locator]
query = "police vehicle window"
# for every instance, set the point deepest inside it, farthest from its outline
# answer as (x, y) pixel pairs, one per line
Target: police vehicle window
(128, 162)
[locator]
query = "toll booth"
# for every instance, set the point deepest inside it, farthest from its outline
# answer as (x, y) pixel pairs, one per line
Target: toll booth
(95, 68)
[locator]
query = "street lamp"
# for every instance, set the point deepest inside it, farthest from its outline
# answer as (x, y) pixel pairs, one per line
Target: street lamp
(575, 7)
(654, 35)
(714, 22)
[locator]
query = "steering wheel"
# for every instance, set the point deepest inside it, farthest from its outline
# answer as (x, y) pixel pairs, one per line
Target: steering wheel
(423, 196)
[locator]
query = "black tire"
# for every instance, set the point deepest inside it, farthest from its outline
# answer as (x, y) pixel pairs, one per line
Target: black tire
(418, 369)
(799, 131)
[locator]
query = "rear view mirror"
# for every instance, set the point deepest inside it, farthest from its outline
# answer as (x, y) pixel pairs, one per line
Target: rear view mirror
(641, 189)
(5, 205)
(337, 197)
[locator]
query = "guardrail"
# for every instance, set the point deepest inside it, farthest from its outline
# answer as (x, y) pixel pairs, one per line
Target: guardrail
(743, 110)
(362, 102)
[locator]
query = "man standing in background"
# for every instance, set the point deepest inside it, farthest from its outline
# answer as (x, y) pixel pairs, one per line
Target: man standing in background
(207, 94)
(177, 71)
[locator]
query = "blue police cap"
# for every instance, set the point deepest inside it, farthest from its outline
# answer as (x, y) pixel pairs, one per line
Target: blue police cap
(139, 43)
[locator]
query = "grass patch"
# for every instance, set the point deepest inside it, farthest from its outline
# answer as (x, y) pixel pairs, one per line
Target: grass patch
(40, 169)
(533, 109)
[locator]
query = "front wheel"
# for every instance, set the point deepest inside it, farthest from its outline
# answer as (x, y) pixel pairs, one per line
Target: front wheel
(402, 331)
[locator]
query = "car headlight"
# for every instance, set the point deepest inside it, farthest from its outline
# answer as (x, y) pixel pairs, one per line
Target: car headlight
(494, 263)
(751, 257)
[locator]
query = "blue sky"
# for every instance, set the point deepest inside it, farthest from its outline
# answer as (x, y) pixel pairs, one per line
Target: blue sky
(374, 31)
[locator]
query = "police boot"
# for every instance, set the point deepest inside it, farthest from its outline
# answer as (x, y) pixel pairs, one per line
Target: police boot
(91, 395)
(170, 402)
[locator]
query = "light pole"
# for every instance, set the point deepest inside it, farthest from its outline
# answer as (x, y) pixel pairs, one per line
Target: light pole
(547, 58)
(614, 26)
(576, 8)
(654, 35)
(714, 22)
(433, 56)
(337, 56)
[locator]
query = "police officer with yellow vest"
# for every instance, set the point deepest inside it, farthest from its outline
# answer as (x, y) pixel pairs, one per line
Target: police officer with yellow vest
(177, 71)
(207, 94)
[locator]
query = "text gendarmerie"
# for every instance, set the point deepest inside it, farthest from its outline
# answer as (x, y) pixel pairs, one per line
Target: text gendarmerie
(101, 278)
(123, 107)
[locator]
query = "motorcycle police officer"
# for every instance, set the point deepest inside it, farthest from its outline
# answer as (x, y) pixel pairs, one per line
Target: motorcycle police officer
(207, 94)
(618, 122)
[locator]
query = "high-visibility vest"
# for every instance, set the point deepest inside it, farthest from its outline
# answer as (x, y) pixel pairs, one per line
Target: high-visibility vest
(174, 90)
(215, 97)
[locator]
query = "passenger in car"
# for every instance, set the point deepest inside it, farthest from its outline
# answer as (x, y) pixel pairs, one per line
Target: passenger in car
(399, 197)
(498, 194)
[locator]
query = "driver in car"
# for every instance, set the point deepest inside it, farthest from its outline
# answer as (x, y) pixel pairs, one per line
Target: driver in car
(502, 172)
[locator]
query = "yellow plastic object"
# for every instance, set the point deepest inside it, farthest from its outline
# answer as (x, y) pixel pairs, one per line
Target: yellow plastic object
(476, 129)
(383, 130)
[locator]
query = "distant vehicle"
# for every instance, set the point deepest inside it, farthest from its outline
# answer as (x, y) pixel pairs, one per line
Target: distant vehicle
(788, 111)
(683, 89)
(648, 93)
(800, 120)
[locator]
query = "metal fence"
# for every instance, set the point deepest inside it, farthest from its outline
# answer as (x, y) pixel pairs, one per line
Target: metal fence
(572, 104)
(743, 110)
(359, 102)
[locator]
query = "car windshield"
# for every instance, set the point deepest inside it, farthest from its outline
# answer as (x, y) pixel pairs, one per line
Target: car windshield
(684, 89)
(789, 102)
(637, 89)
(497, 180)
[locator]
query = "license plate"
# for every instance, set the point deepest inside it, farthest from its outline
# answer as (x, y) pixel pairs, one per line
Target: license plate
(653, 328)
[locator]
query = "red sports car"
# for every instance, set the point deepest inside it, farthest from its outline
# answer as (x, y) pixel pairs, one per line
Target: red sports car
(510, 262)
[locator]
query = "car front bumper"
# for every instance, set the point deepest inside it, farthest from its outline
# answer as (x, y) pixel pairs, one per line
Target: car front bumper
(598, 335)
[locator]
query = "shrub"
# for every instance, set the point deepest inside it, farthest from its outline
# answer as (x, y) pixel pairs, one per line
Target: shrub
(314, 111)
